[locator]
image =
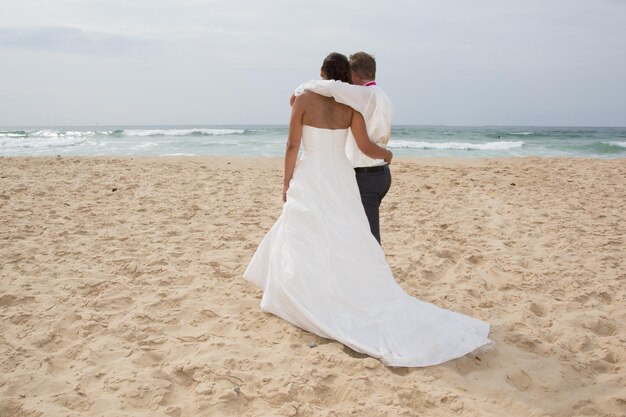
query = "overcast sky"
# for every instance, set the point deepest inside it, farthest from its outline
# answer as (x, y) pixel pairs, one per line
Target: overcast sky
(451, 62)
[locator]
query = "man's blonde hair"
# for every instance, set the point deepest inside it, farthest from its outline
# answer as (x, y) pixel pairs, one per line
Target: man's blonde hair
(364, 65)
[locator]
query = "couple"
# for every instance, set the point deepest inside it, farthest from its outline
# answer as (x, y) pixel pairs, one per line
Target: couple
(321, 266)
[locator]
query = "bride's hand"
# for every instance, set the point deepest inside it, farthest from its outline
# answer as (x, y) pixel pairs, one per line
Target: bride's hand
(389, 157)
(285, 194)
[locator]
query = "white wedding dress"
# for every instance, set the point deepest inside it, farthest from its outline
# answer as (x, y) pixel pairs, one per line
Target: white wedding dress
(321, 269)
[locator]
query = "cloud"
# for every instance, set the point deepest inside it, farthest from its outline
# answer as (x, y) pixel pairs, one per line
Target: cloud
(70, 40)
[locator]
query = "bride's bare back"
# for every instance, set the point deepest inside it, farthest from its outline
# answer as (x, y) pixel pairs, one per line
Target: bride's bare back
(325, 112)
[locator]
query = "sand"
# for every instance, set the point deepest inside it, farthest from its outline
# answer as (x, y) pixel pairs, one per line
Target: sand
(121, 290)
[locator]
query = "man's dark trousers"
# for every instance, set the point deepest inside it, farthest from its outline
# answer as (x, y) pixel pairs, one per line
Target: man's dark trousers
(374, 182)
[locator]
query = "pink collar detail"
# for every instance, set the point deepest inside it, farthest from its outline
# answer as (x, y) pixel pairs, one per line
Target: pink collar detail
(370, 84)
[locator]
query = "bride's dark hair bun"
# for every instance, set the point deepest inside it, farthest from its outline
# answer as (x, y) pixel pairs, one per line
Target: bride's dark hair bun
(337, 67)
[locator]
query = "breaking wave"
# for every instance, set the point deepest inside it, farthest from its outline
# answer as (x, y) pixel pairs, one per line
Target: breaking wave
(489, 146)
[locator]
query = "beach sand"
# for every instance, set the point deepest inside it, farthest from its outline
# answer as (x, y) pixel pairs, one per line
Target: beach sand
(121, 290)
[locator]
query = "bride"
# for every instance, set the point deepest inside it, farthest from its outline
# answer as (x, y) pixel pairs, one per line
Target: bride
(320, 267)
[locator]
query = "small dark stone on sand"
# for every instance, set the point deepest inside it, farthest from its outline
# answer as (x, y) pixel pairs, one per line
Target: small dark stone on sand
(312, 345)
(66, 204)
(227, 163)
(114, 189)
(513, 184)
(237, 390)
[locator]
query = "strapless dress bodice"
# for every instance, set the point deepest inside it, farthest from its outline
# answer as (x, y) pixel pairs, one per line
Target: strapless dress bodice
(324, 142)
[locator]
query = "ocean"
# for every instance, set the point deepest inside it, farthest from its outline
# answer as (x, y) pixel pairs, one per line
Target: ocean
(265, 140)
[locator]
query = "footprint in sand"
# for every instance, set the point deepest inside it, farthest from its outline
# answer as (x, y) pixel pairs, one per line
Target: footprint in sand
(9, 300)
(537, 309)
(520, 380)
(601, 327)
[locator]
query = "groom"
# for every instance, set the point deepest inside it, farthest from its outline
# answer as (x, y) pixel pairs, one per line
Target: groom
(363, 95)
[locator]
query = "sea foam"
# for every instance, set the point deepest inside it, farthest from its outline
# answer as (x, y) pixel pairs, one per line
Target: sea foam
(489, 146)
(180, 132)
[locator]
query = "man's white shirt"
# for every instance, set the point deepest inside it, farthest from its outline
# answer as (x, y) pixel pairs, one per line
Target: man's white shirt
(372, 102)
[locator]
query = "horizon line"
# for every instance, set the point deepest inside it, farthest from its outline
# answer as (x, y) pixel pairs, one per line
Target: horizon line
(286, 125)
